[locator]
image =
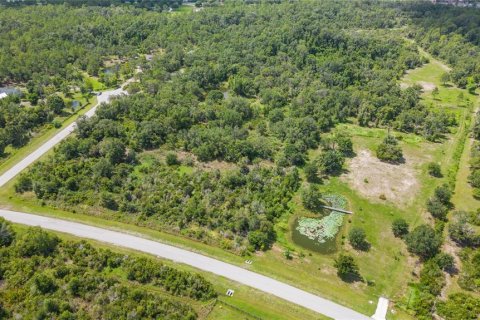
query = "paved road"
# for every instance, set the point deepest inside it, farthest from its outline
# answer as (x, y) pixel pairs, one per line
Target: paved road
(28, 160)
(249, 278)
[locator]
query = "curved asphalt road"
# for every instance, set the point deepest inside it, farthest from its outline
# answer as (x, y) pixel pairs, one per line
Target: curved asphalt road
(249, 278)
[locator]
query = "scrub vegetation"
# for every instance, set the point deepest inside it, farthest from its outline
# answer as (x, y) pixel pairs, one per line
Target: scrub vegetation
(247, 117)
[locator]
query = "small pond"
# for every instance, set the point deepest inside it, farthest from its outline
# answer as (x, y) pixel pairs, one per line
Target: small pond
(75, 104)
(111, 70)
(10, 90)
(320, 234)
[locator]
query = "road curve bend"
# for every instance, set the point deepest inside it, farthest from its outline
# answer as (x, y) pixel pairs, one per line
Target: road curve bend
(243, 276)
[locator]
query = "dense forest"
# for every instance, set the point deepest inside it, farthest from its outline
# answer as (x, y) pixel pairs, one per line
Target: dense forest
(44, 277)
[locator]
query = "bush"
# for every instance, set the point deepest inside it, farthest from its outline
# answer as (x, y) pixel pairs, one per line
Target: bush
(311, 172)
(331, 161)
(36, 242)
(459, 306)
(358, 239)
(437, 208)
(443, 194)
(400, 228)
(445, 261)
(389, 150)
(346, 267)
(434, 170)
(432, 279)
(423, 241)
(312, 198)
(171, 159)
(7, 235)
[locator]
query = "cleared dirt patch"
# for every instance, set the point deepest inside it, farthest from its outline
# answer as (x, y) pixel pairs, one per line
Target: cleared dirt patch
(373, 179)
(427, 86)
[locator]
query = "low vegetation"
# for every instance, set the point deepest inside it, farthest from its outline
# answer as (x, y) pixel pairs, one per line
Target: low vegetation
(45, 277)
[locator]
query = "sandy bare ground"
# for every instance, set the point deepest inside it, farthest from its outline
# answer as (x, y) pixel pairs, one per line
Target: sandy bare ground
(373, 178)
(427, 86)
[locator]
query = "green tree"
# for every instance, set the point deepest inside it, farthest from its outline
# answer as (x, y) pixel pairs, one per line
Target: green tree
(347, 268)
(55, 104)
(358, 239)
(331, 161)
(389, 150)
(423, 241)
(7, 235)
(399, 227)
(311, 172)
(312, 198)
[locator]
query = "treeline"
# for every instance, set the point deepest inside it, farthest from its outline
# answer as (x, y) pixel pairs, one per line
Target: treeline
(50, 45)
(474, 177)
(158, 5)
(44, 277)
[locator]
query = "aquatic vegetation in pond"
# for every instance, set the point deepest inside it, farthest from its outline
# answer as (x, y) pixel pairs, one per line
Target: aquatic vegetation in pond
(327, 227)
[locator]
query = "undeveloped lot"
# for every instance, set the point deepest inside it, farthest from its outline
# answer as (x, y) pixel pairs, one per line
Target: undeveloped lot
(375, 179)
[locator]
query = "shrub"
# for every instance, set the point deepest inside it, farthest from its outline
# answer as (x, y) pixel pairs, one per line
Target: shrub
(358, 239)
(312, 198)
(423, 241)
(171, 159)
(389, 150)
(399, 228)
(346, 267)
(434, 170)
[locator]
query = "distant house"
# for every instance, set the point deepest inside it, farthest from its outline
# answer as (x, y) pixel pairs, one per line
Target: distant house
(3, 95)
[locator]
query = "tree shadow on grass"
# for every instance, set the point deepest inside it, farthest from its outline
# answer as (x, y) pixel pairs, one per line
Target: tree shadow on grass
(351, 277)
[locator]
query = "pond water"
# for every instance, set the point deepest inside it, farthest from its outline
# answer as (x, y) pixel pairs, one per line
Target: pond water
(10, 90)
(111, 70)
(320, 234)
(327, 247)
